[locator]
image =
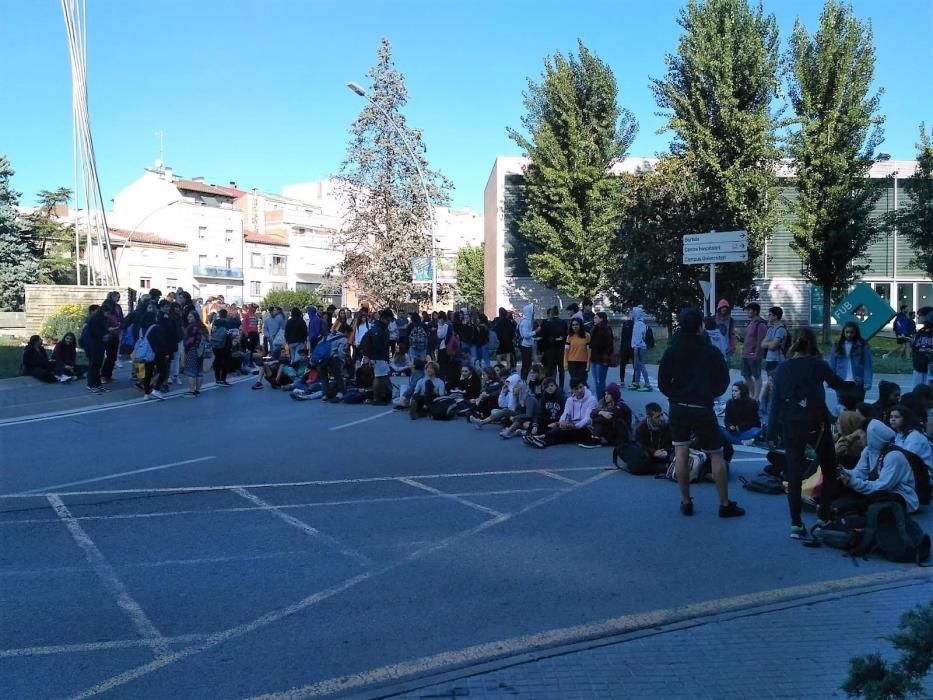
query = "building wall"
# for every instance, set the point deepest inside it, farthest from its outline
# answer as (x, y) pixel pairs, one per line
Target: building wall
(43, 299)
(164, 268)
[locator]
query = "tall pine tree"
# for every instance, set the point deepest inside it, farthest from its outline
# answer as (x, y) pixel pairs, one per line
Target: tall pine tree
(576, 132)
(16, 266)
(833, 146)
(389, 220)
(718, 95)
(915, 219)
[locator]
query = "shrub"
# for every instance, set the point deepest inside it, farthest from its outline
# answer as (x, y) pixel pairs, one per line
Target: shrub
(69, 317)
(288, 298)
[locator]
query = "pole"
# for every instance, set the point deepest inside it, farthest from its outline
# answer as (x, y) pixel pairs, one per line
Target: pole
(712, 289)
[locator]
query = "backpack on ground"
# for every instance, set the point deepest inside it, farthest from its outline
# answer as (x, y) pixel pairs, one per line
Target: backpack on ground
(696, 461)
(418, 340)
(649, 337)
(443, 408)
(218, 337)
(842, 532)
(763, 483)
(143, 351)
(919, 468)
(323, 351)
(891, 532)
(633, 458)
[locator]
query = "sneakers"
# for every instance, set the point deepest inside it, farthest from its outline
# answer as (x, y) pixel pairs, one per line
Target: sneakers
(634, 387)
(590, 444)
(646, 387)
(62, 378)
(190, 395)
(687, 508)
(534, 441)
(257, 385)
(95, 390)
(731, 510)
(748, 443)
(155, 395)
(225, 383)
(798, 532)
(476, 420)
(506, 434)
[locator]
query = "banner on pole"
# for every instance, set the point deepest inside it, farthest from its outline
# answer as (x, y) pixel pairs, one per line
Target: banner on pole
(422, 270)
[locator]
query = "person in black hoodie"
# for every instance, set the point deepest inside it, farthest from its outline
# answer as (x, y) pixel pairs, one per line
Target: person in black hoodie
(375, 346)
(691, 375)
(505, 326)
(553, 336)
(36, 362)
(93, 339)
(798, 409)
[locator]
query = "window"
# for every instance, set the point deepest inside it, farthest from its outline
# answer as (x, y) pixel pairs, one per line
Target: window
(202, 260)
(202, 233)
(171, 284)
(278, 265)
(228, 235)
(145, 283)
(255, 261)
(229, 262)
(255, 289)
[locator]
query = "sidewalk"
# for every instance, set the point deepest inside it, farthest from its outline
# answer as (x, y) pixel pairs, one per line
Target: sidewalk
(799, 650)
(21, 397)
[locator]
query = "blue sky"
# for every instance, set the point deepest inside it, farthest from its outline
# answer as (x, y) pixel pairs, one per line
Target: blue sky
(254, 91)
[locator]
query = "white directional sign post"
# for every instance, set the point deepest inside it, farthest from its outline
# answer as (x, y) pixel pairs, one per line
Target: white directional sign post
(712, 248)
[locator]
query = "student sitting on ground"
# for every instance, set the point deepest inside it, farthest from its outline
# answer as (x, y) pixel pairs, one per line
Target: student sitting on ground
(909, 434)
(612, 420)
(550, 408)
(880, 475)
(399, 365)
(533, 392)
(512, 399)
(64, 355)
(742, 422)
(488, 398)
(36, 363)
(364, 375)
(417, 374)
(654, 434)
(850, 438)
(920, 402)
(428, 388)
(575, 421)
(465, 390)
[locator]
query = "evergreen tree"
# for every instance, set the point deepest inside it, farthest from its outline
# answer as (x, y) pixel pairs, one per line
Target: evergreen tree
(470, 266)
(389, 220)
(576, 132)
(833, 145)
(915, 220)
(16, 266)
(50, 243)
(718, 93)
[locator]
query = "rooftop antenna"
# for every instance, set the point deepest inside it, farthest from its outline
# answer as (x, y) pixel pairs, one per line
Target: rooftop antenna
(161, 136)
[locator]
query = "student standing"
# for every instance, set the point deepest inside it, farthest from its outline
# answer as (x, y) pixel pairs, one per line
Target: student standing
(602, 345)
(526, 330)
(755, 333)
(639, 348)
(577, 352)
(851, 358)
(773, 348)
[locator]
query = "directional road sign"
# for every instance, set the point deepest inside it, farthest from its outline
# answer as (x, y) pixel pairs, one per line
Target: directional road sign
(719, 247)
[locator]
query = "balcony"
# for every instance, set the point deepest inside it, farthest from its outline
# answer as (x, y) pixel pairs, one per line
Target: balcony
(221, 272)
(278, 270)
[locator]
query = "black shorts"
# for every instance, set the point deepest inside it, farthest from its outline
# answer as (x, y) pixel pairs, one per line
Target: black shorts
(688, 422)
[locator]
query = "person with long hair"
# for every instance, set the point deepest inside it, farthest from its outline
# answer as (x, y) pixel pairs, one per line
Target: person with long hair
(909, 433)
(889, 394)
(798, 409)
(196, 343)
(577, 352)
(36, 362)
(65, 355)
(742, 424)
(850, 358)
(602, 345)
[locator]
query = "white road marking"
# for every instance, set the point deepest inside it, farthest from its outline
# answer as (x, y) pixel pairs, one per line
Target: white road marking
(93, 646)
(578, 633)
(46, 489)
(111, 581)
(362, 420)
(140, 401)
(452, 497)
(269, 618)
(291, 484)
(304, 527)
(247, 509)
(552, 475)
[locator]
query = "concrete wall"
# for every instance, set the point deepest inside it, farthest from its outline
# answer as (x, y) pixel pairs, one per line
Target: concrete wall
(42, 299)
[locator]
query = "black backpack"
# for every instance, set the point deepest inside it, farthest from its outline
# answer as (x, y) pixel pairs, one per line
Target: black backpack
(788, 341)
(842, 532)
(649, 338)
(443, 408)
(891, 532)
(921, 472)
(634, 459)
(764, 483)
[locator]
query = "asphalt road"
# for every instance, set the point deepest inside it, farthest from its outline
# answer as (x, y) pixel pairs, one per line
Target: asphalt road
(259, 546)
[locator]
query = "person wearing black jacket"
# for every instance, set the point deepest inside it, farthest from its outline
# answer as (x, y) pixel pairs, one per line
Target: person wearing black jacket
(798, 409)
(692, 374)
(94, 346)
(36, 362)
(296, 334)
(504, 326)
(626, 354)
(602, 345)
(376, 344)
(149, 328)
(553, 336)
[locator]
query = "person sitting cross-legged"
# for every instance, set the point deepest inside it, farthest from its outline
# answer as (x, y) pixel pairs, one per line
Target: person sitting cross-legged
(575, 421)
(36, 363)
(881, 474)
(612, 420)
(512, 398)
(742, 422)
(65, 357)
(654, 434)
(428, 388)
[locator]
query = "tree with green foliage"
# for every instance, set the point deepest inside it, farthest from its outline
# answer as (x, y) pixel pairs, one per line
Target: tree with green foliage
(470, 267)
(289, 298)
(17, 268)
(718, 95)
(576, 132)
(388, 218)
(662, 205)
(50, 242)
(915, 220)
(837, 128)
(872, 678)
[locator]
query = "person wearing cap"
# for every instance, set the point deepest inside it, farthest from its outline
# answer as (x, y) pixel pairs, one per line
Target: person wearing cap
(692, 374)
(922, 349)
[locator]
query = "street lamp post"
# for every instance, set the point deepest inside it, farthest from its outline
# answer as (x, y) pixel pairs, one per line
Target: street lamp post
(355, 87)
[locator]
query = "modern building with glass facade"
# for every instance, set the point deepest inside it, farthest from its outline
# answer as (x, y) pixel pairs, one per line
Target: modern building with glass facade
(781, 282)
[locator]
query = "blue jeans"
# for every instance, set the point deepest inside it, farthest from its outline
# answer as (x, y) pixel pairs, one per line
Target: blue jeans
(737, 438)
(599, 373)
(641, 371)
(480, 355)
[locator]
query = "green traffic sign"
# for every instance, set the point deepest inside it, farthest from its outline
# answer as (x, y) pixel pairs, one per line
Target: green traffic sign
(866, 308)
